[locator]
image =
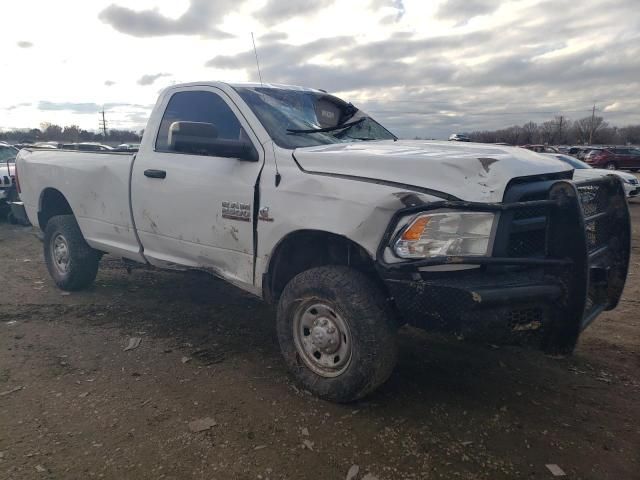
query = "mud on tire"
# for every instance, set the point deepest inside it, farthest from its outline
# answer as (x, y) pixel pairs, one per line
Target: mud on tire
(71, 262)
(347, 300)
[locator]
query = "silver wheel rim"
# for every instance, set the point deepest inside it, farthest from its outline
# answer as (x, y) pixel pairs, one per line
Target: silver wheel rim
(60, 253)
(322, 339)
(611, 166)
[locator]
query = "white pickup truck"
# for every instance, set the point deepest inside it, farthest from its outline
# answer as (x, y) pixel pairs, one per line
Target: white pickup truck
(306, 201)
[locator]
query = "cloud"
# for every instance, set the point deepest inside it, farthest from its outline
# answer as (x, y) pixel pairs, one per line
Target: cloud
(24, 44)
(200, 18)
(18, 105)
(398, 5)
(421, 71)
(375, 64)
(79, 108)
(278, 54)
(483, 78)
(151, 78)
(278, 11)
(109, 83)
(464, 10)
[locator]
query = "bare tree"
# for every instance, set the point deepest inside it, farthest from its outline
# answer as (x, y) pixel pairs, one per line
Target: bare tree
(548, 131)
(630, 134)
(586, 128)
(512, 135)
(529, 132)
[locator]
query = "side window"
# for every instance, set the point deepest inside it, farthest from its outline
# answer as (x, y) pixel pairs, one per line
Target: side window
(200, 123)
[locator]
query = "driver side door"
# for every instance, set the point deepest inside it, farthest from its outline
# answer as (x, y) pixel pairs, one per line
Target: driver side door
(193, 207)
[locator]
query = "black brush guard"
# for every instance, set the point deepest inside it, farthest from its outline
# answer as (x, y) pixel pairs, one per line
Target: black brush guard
(546, 298)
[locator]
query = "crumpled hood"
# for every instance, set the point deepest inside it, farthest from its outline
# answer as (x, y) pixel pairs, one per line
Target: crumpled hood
(468, 171)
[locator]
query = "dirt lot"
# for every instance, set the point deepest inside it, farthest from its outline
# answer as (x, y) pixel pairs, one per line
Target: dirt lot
(74, 405)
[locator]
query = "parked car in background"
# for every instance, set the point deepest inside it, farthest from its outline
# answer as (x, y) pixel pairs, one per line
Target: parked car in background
(582, 154)
(87, 147)
(614, 158)
(584, 171)
(541, 148)
(459, 137)
(573, 151)
(7, 177)
(127, 147)
(590, 153)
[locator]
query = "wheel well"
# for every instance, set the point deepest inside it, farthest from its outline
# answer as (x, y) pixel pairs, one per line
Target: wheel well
(52, 203)
(305, 249)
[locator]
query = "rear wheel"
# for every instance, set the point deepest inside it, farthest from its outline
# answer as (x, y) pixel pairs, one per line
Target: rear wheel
(611, 166)
(336, 333)
(71, 262)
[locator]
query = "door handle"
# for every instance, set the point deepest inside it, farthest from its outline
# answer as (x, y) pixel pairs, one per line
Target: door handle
(155, 173)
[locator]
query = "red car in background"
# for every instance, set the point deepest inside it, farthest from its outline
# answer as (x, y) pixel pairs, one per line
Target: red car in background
(614, 158)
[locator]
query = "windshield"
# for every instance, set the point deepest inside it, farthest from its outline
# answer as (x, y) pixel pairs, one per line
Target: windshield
(574, 162)
(8, 154)
(304, 118)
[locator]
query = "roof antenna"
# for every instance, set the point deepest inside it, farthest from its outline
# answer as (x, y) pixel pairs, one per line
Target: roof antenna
(255, 50)
(257, 62)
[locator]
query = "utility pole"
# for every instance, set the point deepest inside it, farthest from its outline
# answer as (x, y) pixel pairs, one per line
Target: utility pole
(103, 124)
(560, 123)
(593, 120)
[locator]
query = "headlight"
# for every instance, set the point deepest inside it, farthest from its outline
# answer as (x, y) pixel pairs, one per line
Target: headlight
(445, 234)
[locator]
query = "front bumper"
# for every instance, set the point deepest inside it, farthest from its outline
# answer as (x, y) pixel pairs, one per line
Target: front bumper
(632, 190)
(542, 286)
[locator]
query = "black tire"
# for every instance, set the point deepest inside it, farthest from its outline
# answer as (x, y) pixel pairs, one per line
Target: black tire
(81, 261)
(372, 331)
(611, 166)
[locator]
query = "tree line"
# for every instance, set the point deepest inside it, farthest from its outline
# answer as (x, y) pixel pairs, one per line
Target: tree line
(68, 134)
(592, 130)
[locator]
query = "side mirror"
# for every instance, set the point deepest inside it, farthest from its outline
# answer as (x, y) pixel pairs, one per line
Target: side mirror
(240, 149)
(201, 138)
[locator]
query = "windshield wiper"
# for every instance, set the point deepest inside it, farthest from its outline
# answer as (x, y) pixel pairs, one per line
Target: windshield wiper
(327, 129)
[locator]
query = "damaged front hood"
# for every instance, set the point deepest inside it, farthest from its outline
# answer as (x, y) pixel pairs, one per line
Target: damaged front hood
(467, 171)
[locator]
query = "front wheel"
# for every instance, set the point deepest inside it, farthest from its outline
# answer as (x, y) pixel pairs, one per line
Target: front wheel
(336, 333)
(71, 262)
(611, 166)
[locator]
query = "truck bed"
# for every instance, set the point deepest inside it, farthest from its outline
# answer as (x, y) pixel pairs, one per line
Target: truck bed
(96, 185)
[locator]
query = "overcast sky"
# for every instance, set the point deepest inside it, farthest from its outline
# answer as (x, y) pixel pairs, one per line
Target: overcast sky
(422, 68)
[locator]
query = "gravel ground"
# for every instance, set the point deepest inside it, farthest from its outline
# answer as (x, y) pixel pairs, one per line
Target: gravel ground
(75, 405)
